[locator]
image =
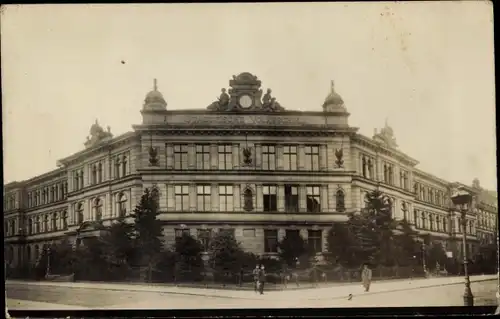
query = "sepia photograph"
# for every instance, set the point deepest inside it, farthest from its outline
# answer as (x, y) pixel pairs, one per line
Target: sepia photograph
(255, 156)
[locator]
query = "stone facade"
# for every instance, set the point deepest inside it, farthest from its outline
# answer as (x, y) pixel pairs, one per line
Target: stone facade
(244, 164)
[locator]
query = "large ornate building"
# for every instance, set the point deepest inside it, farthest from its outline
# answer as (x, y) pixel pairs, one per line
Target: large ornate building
(246, 165)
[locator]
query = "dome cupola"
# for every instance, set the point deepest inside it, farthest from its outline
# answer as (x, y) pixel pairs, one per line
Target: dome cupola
(154, 100)
(333, 102)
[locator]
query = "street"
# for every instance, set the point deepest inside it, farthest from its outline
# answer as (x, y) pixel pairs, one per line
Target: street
(403, 293)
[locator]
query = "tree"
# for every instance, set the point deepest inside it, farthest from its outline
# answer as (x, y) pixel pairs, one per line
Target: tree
(407, 249)
(292, 247)
(188, 258)
(435, 255)
(486, 259)
(225, 254)
(118, 248)
(340, 243)
(148, 230)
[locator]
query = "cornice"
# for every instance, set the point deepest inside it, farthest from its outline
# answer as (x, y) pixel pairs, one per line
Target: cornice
(381, 148)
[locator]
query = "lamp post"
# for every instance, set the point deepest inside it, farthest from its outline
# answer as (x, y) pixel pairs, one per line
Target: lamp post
(463, 201)
(47, 272)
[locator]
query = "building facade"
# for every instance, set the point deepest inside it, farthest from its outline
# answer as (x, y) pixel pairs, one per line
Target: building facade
(246, 165)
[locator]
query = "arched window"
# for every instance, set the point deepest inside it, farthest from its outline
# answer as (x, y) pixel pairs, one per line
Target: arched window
(117, 167)
(46, 223)
(65, 220)
(438, 223)
(37, 252)
(52, 197)
(30, 226)
(340, 201)
(12, 227)
(364, 164)
(415, 218)
(76, 181)
(370, 169)
(445, 224)
(54, 221)
(98, 209)
(79, 213)
(122, 205)
(99, 172)
(37, 224)
(124, 165)
(93, 178)
(248, 200)
(431, 222)
(81, 179)
(424, 220)
(28, 253)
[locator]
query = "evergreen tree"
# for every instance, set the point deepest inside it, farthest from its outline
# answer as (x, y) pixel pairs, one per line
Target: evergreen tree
(340, 243)
(407, 249)
(148, 230)
(118, 248)
(226, 255)
(188, 257)
(292, 247)
(435, 254)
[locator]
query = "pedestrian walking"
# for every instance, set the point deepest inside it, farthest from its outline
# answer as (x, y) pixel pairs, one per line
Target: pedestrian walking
(262, 279)
(256, 278)
(366, 277)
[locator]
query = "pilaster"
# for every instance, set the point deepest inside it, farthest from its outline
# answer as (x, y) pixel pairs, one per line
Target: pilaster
(281, 198)
(302, 199)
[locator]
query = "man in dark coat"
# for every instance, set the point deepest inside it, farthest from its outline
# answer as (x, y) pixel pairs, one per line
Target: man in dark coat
(256, 278)
(262, 279)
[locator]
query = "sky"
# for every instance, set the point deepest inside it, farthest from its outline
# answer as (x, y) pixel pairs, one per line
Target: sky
(428, 68)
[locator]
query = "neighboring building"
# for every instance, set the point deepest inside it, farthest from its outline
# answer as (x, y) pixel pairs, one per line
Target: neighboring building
(244, 164)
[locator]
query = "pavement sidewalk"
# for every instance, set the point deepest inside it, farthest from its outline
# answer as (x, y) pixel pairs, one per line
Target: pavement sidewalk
(19, 304)
(333, 292)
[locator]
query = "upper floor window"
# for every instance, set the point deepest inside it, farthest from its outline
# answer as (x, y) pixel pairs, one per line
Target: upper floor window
(313, 199)
(404, 180)
(181, 197)
(291, 198)
(225, 157)
(37, 224)
(65, 219)
(93, 178)
(203, 157)
(117, 165)
(340, 200)
(269, 198)
(367, 167)
(268, 157)
(79, 213)
(30, 226)
(203, 197)
(46, 223)
(248, 200)
(97, 206)
(388, 174)
(290, 158)
(181, 156)
(179, 232)
(122, 205)
(54, 221)
(311, 158)
(226, 198)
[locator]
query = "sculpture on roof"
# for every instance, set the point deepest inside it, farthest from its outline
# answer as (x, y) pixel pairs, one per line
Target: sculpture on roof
(245, 95)
(97, 135)
(386, 136)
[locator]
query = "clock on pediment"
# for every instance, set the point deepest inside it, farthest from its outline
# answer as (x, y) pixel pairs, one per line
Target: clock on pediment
(245, 101)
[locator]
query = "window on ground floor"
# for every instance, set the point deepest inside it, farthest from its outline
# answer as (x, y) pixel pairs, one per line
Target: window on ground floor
(270, 240)
(314, 240)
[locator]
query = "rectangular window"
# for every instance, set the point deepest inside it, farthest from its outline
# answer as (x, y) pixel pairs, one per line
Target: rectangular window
(270, 240)
(250, 232)
(203, 196)
(203, 157)
(313, 199)
(290, 158)
(226, 198)
(229, 231)
(314, 241)
(291, 198)
(204, 236)
(311, 158)
(181, 197)
(268, 157)
(181, 231)
(225, 157)
(180, 156)
(269, 198)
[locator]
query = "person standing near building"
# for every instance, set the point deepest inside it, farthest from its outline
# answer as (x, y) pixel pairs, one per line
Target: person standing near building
(262, 279)
(255, 274)
(366, 277)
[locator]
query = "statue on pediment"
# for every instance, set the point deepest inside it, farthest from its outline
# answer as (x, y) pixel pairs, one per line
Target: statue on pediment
(97, 134)
(386, 136)
(269, 103)
(221, 103)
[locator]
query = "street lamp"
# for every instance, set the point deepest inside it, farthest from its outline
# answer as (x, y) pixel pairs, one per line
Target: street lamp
(463, 201)
(47, 272)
